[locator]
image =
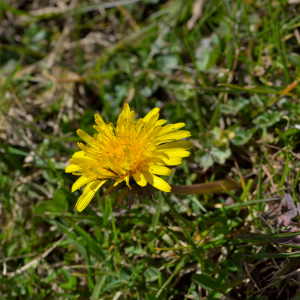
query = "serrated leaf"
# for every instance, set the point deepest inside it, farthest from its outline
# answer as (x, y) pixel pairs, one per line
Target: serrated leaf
(242, 136)
(205, 160)
(268, 118)
(220, 155)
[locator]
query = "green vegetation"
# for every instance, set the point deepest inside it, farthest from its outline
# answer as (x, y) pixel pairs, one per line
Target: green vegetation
(229, 70)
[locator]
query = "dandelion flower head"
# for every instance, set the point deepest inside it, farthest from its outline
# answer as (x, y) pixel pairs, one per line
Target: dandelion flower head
(130, 155)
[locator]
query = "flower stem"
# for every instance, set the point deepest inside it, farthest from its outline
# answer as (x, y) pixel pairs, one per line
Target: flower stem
(205, 188)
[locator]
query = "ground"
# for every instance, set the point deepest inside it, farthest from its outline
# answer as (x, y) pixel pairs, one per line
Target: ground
(229, 70)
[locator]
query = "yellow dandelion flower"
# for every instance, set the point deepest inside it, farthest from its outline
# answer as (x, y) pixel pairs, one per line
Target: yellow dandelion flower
(130, 156)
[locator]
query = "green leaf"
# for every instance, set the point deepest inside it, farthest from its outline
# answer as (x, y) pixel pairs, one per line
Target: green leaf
(90, 241)
(268, 118)
(13, 10)
(166, 63)
(216, 116)
(150, 297)
(282, 136)
(214, 295)
(205, 281)
(72, 236)
(205, 140)
(60, 200)
(277, 255)
(204, 60)
(258, 89)
(292, 131)
(71, 284)
(232, 107)
(243, 136)
(13, 150)
(151, 274)
(220, 155)
(222, 280)
(204, 159)
(98, 287)
(45, 206)
(229, 265)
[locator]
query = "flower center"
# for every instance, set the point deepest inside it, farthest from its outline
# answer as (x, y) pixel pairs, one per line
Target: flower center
(127, 154)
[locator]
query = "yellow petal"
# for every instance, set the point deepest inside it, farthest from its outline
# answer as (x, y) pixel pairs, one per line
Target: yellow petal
(88, 194)
(139, 125)
(80, 154)
(177, 135)
(160, 122)
(150, 114)
(163, 160)
(81, 181)
(126, 178)
(99, 121)
(170, 137)
(172, 152)
(158, 170)
(178, 125)
(120, 123)
(170, 128)
(126, 110)
(131, 117)
(157, 182)
(84, 136)
(139, 178)
(178, 145)
(152, 121)
(166, 129)
(154, 131)
(72, 168)
(97, 117)
(114, 166)
(103, 173)
(82, 161)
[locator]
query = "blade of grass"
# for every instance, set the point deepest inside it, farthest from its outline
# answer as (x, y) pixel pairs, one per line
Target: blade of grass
(191, 54)
(89, 240)
(186, 233)
(13, 10)
(259, 186)
(113, 224)
(89, 276)
(285, 171)
(246, 190)
(236, 205)
(258, 90)
(178, 267)
(98, 287)
(160, 203)
(282, 136)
